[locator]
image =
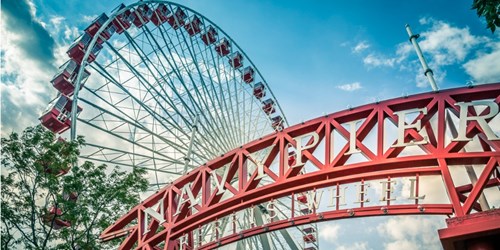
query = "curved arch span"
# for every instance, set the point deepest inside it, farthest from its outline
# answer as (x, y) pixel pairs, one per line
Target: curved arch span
(376, 142)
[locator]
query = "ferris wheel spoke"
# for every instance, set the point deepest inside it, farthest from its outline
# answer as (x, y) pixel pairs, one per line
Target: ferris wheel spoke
(222, 94)
(230, 96)
(171, 122)
(144, 82)
(174, 68)
(190, 48)
(202, 113)
(218, 109)
(118, 136)
(188, 93)
(110, 155)
(145, 61)
(132, 122)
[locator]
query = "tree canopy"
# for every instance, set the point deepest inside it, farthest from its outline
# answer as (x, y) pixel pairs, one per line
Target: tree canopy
(45, 208)
(490, 9)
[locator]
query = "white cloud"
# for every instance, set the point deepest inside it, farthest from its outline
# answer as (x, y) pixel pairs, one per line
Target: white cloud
(350, 86)
(378, 60)
(443, 45)
(411, 232)
(71, 33)
(57, 20)
(401, 244)
(329, 232)
(355, 246)
(88, 19)
(26, 70)
(360, 47)
(25, 84)
(484, 68)
(447, 44)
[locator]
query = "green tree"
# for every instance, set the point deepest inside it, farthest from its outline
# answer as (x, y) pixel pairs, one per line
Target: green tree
(89, 198)
(490, 9)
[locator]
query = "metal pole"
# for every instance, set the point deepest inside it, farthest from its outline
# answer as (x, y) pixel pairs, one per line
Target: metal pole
(427, 71)
(187, 158)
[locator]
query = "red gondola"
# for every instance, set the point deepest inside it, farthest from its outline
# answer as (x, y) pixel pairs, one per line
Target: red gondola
(57, 116)
(60, 172)
(248, 74)
(210, 36)
(194, 26)
(223, 47)
(160, 14)
(309, 230)
(46, 165)
(77, 50)
(259, 90)
(302, 198)
(142, 15)
(123, 21)
(277, 123)
(236, 60)
(268, 106)
(65, 78)
(52, 215)
(96, 25)
(177, 19)
(70, 196)
(309, 238)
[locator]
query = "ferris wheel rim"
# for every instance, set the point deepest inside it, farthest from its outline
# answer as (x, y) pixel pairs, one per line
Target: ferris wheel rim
(78, 84)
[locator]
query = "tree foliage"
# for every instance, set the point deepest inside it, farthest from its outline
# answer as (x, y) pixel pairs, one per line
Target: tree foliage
(490, 9)
(31, 188)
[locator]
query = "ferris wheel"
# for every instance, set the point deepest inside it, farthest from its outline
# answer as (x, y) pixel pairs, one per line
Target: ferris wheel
(156, 85)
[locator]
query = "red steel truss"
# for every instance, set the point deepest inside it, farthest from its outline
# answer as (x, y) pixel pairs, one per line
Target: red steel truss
(221, 196)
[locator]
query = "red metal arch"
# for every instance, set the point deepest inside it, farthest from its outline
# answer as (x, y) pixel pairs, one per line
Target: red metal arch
(182, 214)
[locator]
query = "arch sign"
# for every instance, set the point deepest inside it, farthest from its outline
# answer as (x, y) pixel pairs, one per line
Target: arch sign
(343, 165)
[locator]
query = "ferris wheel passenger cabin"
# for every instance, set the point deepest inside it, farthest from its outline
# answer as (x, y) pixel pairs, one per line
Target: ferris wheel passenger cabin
(64, 80)
(277, 123)
(268, 106)
(123, 21)
(223, 47)
(57, 116)
(77, 50)
(210, 36)
(177, 19)
(248, 74)
(259, 90)
(236, 60)
(309, 238)
(142, 15)
(309, 230)
(194, 26)
(70, 196)
(302, 198)
(54, 215)
(96, 24)
(160, 14)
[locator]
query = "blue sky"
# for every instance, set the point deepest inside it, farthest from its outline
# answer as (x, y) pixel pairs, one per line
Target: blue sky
(317, 56)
